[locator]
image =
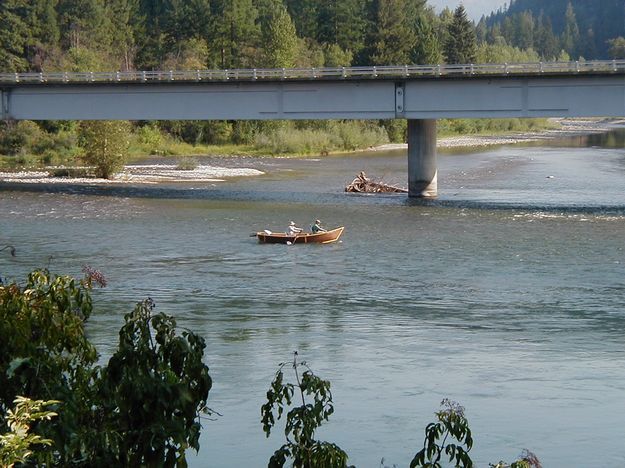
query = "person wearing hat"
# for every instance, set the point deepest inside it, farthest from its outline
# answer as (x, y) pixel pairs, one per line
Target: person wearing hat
(316, 227)
(293, 229)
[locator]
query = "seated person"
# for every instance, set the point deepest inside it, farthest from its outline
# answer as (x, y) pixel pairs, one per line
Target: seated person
(293, 230)
(316, 227)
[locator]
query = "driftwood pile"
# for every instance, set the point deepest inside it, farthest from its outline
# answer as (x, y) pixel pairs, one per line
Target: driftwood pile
(362, 184)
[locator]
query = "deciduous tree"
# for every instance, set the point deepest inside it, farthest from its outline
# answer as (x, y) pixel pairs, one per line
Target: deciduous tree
(105, 144)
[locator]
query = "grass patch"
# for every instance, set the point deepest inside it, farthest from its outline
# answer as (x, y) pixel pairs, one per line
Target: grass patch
(455, 127)
(334, 137)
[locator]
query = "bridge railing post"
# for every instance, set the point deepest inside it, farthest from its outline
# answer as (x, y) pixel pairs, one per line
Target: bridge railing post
(614, 68)
(254, 77)
(343, 73)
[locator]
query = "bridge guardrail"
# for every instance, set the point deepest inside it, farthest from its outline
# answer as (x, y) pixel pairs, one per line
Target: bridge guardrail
(263, 74)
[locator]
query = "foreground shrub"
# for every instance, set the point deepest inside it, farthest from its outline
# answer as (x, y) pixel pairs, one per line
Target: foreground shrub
(141, 409)
(15, 445)
(301, 421)
(450, 435)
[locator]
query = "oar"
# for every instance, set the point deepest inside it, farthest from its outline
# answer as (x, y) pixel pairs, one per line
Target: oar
(9, 247)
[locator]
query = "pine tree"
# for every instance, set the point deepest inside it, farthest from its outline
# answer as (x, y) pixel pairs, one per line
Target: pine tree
(305, 16)
(44, 34)
(267, 10)
(427, 50)
(14, 35)
(545, 40)
(570, 35)
(461, 46)
(282, 42)
(524, 30)
(235, 32)
(393, 38)
(84, 24)
(125, 23)
(342, 23)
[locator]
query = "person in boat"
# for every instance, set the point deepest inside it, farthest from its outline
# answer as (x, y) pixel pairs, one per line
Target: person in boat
(316, 227)
(293, 229)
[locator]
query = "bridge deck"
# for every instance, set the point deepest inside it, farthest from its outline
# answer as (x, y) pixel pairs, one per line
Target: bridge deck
(338, 73)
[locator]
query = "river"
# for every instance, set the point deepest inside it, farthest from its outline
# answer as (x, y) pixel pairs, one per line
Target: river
(506, 294)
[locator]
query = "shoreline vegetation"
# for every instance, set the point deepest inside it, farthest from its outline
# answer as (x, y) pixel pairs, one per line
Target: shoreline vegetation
(475, 133)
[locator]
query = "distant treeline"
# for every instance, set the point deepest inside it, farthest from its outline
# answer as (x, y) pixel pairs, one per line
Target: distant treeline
(582, 28)
(48, 35)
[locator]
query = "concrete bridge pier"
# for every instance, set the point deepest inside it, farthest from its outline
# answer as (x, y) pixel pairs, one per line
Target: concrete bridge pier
(422, 170)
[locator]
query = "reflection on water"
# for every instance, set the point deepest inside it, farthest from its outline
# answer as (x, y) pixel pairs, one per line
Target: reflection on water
(506, 294)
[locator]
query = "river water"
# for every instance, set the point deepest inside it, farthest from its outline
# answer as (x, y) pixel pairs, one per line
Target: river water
(507, 294)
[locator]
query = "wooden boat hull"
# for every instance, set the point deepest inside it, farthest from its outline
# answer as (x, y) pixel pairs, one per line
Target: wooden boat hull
(304, 238)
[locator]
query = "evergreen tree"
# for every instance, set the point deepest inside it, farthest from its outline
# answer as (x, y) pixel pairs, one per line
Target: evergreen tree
(524, 30)
(282, 42)
(44, 34)
(125, 23)
(267, 10)
(304, 14)
(545, 40)
(393, 37)
(14, 35)
(235, 32)
(427, 50)
(342, 23)
(442, 26)
(481, 30)
(151, 42)
(461, 45)
(84, 23)
(570, 35)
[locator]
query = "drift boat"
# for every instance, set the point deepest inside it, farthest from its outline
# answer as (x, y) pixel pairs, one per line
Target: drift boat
(327, 237)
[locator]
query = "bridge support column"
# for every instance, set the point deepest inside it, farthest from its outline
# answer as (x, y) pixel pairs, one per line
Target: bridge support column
(4, 104)
(422, 170)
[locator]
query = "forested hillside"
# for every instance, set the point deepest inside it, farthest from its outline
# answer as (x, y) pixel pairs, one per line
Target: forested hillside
(104, 35)
(583, 28)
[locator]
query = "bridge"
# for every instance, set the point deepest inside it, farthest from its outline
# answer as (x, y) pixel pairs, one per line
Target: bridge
(420, 94)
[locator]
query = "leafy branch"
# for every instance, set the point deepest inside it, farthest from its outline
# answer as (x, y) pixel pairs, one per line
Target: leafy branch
(451, 423)
(301, 421)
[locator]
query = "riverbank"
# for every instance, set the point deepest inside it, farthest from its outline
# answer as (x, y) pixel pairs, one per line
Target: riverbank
(563, 128)
(159, 173)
